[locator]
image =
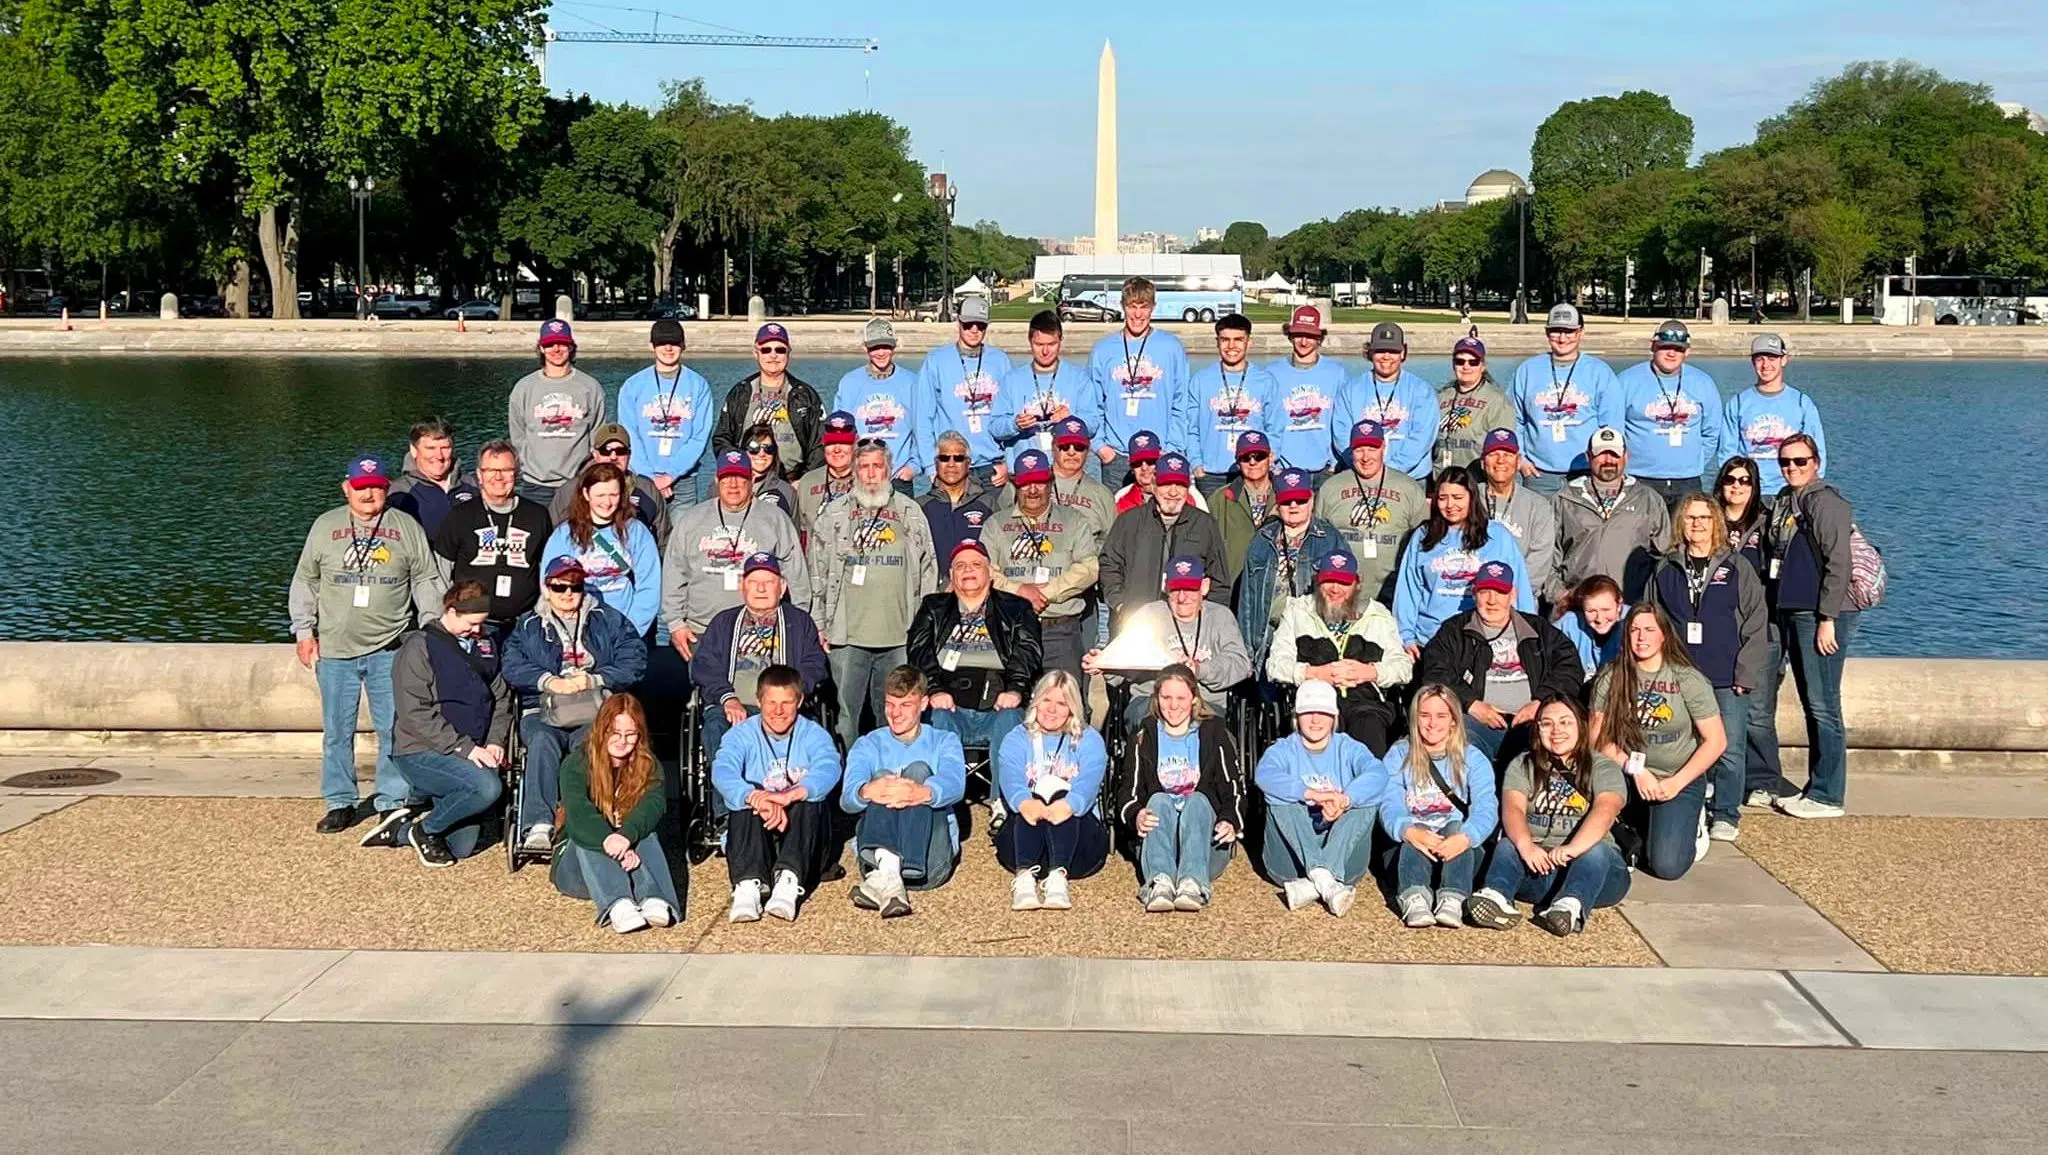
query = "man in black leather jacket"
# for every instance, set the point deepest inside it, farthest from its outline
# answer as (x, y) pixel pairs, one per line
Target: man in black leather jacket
(787, 403)
(1500, 663)
(980, 650)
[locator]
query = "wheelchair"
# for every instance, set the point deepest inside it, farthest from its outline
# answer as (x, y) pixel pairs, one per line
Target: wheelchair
(704, 816)
(514, 774)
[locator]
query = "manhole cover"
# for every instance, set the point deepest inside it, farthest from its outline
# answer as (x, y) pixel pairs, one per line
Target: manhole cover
(62, 778)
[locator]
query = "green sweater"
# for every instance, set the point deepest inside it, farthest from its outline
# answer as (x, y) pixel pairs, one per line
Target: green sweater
(583, 825)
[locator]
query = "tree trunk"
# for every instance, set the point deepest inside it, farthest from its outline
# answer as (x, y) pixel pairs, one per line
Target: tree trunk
(280, 259)
(234, 290)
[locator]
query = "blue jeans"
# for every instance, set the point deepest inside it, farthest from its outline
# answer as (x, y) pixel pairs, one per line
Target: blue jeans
(1730, 781)
(1596, 878)
(1079, 846)
(1670, 829)
(1499, 746)
(716, 728)
(982, 728)
(859, 673)
(1762, 769)
(1415, 871)
(459, 788)
(1298, 842)
(1819, 678)
(343, 682)
(546, 746)
(581, 872)
(921, 836)
(1184, 844)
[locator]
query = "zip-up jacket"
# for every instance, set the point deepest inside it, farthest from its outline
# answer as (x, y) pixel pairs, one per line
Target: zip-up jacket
(447, 702)
(806, 415)
(1624, 543)
(1459, 658)
(1807, 542)
(1220, 779)
(615, 655)
(1267, 584)
(1232, 509)
(1304, 639)
(1532, 518)
(1135, 553)
(832, 551)
(1012, 627)
(1733, 644)
(427, 502)
(953, 522)
(796, 644)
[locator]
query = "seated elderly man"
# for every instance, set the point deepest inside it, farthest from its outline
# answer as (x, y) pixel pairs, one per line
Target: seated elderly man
(742, 642)
(1190, 630)
(1341, 637)
(773, 778)
(566, 655)
(903, 780)
(1500, 662)
(979, 650)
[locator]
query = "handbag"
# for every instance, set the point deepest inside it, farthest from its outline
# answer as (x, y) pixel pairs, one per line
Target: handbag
(572, 710)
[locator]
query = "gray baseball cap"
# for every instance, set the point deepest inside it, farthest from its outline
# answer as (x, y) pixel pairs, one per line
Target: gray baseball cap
(1564, 315)
(1769, 343)
(1387, 337)
(974, 310)
(878, 333)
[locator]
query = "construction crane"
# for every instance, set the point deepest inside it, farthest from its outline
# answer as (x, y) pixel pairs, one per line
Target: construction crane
(866, 45)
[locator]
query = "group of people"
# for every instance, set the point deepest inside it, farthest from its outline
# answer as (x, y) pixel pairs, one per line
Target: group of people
(1523, 650)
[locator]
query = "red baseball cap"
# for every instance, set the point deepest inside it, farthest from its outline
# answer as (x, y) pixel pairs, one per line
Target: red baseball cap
(1307, 321)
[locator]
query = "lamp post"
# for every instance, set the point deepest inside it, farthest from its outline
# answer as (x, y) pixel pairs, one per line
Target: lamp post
(1521, 310)
(359, 190)
(1756, 303)
(948, 196)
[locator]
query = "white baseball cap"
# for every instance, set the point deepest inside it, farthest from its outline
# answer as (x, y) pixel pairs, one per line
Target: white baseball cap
(1316, 698)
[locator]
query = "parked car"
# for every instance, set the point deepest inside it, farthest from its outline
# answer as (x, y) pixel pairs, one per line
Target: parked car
(392, 306)
(209, 305)
(474, 311)
(669, 309)
(1082, 310)
(314, 303)
(54, 304)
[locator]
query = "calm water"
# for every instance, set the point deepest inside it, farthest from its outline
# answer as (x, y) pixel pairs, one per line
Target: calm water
(166, 500)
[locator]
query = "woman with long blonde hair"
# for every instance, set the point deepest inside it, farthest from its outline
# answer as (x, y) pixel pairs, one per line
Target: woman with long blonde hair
(1049, 771)
(1441, 807)
(612, 800)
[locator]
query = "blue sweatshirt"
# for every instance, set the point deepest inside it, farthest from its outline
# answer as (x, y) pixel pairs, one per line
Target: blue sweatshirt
(1029, 390)
(1143, 383)
(628, 575)
(1406, 406)
(1024, 761)
(889, 409)
(752, 759)
(881, 752)
(1754, 424)
(1435, 585)
(1305, 412)
(668, 421)
(1220, 406)
(1672, 424)
(964, 393)
(1405, 803)
(1288, 769)
(1557, 408)
(1592, 654)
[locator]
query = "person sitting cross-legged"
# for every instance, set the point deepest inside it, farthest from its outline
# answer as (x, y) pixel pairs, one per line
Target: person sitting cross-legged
(773, 773)
(612, 800)
(1322, 793)
(1180, 796)
(1049, 772)
(903, 781)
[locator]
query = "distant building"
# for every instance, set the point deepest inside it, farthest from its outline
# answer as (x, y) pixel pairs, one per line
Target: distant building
(1495, 184)
(1138, 244)
(2035, 120)
(1205, 234)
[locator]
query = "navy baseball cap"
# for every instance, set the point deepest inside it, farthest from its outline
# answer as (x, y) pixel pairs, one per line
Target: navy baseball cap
(565, 565)
(1495, 576)
(1032, 468)
(1368, 433)
(839, 429)
(1144, 446)
(772, 331)
(1072, 431)
(1253, 441)
(556, 332)
(1501, 439)
(366, 472)
(1185, 572)
(1174, 470)
(1293, 486)
(1340, 566)
(733, 463)
(760, 561)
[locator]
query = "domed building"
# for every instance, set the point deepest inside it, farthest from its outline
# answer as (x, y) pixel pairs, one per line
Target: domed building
(1493, 185)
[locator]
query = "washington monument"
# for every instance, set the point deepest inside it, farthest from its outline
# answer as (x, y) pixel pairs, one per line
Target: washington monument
(1105, 154)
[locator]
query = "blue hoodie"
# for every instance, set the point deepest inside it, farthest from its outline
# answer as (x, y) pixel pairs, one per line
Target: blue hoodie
(965, 394)
(880, 752)
(668, 422)
(1592, 654)
(1435, 585)
(1406, 407)
(1655, 409)
(889, 409)
(1288, 769)
(750, 759)
(1557, 409)
(1024, 760)
(1402, 799)
(1220, 406)
(1143, 384)
(1754, 424)
(1027, 389)
(1305, 412)
(629, 577)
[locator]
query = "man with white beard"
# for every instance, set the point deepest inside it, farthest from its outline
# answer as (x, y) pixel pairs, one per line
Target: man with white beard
(873, 559)
(1338, 634)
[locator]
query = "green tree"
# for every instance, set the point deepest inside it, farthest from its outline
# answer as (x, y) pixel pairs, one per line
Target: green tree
(1589, 144)
(1838, 239)
(1248, 239)
(599, 210)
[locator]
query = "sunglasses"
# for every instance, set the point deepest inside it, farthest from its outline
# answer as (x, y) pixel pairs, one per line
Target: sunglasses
(1255, 455)
(1737, 479)
(613, 450)
(1294, 501)
(565, 587)
(871, 443)
(758, 447)
(1464, 362)
(1795, 462)
(1071, 447)
(977, 326)
(773, 350)
(951, 458)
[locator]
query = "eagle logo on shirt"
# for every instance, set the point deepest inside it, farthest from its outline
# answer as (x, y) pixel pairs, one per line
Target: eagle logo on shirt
(1652, 708)
(557, 415)
(1307, 408)
(1377, 514)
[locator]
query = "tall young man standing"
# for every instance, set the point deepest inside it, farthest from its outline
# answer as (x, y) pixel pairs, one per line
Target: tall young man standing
(1560, 398)
(961, 387)
(1226, 400)
(552, 415)
(1141, 374)
(1402, 404)
(1305, 388)
(666, 409)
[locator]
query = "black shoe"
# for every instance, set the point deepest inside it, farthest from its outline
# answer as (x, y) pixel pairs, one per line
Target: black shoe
(337, 820)
(1557, 921)
(432, 848)
(896, 906)
(384, 835)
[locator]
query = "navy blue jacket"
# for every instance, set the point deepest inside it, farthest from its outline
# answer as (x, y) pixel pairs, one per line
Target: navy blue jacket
(429, 503)
(952, 524)
(618, 656)
(796, 634)
(1734, 645)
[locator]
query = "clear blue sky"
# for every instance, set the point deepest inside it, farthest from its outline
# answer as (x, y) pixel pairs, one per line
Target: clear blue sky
(1248, 112)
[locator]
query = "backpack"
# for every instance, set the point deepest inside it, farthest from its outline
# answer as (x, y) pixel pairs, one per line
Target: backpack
(1867, 575)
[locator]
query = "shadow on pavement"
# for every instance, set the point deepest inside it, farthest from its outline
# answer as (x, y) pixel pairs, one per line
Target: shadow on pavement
(543, 1113)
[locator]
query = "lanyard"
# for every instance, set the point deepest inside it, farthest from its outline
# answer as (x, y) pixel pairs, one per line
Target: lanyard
(768, 743)
(1256, 501)
(1185, 650)
(1696, 579)
(1236, 395)
(1561, 386)
(1371, 499)
(359, 548)
(1033, 534)
(503, 537)
(1290, 560)
(668, 400)
(968, 625)
(866, 538)
(1131, 364)
(735, 532)
(1046, 390)
(970, 379)
(1672, 399)
(1459, 406)
(1379, 401)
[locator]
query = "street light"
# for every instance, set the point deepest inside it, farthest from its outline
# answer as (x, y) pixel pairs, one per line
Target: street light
(874, 271)
(1521, 313)
(359, 189)
(948, 196)
(1756, 303)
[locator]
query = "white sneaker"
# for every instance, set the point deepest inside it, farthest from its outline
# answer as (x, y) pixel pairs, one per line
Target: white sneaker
(1701, 842)
(1324, 882)
(1724, 831)
(746, 902)
(1415, 910)
(1759, 800)
(1339, 901)
(540, 838)
(626, 917)
(782, 903)
(1800, 806)
(1187, 897)
(1024, 890)
(1158, 896)
(1056, 896)
(657, 912)
(1298, 892)
(1450, 911)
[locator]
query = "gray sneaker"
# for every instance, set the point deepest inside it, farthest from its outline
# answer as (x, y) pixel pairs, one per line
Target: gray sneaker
(1187, 897)
(1450, 911)
(1158, 895)
(1415, 910)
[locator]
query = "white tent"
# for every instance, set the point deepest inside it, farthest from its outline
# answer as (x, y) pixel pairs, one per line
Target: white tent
(973, 286)
(1273, 284)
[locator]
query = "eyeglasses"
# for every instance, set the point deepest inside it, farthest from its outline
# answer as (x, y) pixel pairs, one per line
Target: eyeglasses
(761, 447)
(772, 350)
(1702, 518)
(950, 458)
(565, 587)
(1256, 455)
(1465, 362)
(613, 450)
(1795, 462)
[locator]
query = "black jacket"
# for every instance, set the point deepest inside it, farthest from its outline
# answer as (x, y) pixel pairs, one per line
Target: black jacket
(1138, 778)
(1134, 556)
(1012, 626)
(806, 418)
(1458, 658)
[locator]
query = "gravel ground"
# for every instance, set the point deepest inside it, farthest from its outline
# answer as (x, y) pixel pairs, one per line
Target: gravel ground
(208, 872)
(1933, 895)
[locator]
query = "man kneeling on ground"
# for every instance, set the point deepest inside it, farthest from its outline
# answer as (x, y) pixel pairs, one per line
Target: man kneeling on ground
(773, 772)
(904, 781)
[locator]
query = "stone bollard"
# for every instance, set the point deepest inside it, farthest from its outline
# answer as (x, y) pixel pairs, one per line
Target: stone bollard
(1848, 310)
(703, 306)
(757, 309)
(1923, 314)
(167, 307)
(1719, 312)
(565, 308)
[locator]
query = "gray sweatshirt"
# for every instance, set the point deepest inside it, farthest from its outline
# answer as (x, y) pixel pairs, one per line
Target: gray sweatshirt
(707, 551)
(1212, 645)
(359, 585)
(1373, 520)
(551, 421)
(834, 549)
(1531, 517)
(1464, 419)
(1622, 541)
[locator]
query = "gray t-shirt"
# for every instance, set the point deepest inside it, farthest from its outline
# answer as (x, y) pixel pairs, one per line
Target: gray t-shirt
(1667, 706)
(1373, 520)
(878, 568)
(773, 408)
(359, 585)
(1556, 806)
(970, 639)
(754, 646)
(1507, 683)
(1038, 552)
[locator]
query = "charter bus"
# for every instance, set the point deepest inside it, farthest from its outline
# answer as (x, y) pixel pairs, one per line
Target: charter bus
(1182, 296)
(1960, 300)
